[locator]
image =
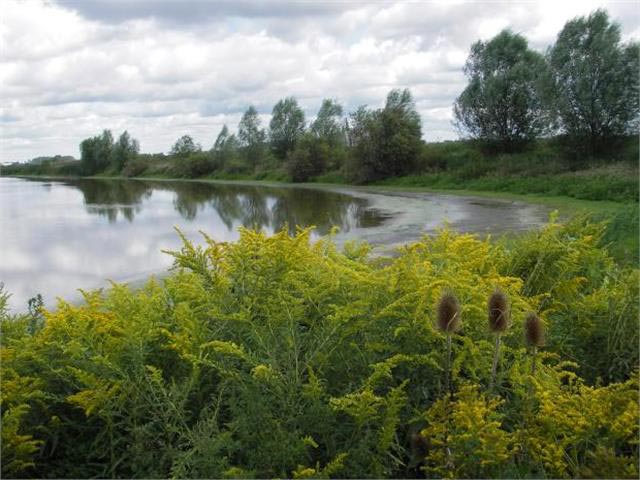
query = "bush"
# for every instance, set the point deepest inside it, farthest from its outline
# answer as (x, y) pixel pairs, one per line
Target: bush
(135, 167)
(309, 158)
(195, 165)
(276, 356)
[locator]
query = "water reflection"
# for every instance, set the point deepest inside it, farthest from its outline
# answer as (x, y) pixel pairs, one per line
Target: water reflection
(250, 206)
(57, 236)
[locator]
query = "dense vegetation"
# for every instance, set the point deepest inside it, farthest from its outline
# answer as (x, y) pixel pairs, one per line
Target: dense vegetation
(532, 114)
(278, 357)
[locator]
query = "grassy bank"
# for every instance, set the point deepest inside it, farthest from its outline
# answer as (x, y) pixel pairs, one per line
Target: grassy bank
(617, 183)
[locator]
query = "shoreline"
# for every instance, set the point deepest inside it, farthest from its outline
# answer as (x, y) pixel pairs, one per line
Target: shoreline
(404, 206)
(571, 204)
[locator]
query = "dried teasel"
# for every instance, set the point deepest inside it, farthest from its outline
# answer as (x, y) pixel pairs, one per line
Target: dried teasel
(449, 319)
(498, 309)
(534, 330)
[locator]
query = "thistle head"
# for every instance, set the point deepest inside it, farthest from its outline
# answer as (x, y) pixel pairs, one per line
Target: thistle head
(534, 330)
(449, 319)
(498, 309)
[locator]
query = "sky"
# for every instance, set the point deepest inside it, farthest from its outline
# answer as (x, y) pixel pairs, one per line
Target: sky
(161, 69)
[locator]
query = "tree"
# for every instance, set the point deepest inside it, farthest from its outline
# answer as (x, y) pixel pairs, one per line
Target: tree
(309, 158)
(503, 102)
(328, 123)
(286, 126)
(595, 81)
(221, 139)
(225, 150)
(385, 142)
(185, 146)
(251, 137)
(124, 151)
(95, 153)
(401, 134)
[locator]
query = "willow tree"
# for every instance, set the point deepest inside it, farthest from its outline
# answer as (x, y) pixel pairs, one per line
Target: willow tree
(595, 81)
(385, 142)
(503, 102)
(251, 137)
(286, 126)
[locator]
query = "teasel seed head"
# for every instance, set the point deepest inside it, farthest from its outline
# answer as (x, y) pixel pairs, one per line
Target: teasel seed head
(534, 330)
(449, 320)
(498, 309)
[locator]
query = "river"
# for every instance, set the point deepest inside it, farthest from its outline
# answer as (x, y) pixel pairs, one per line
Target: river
(60, 235)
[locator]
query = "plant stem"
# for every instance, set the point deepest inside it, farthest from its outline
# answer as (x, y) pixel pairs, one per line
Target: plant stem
(494, 368)
(533, 361)
(448, 371)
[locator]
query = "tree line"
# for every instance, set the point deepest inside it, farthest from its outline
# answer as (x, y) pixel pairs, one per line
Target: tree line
(584, 89)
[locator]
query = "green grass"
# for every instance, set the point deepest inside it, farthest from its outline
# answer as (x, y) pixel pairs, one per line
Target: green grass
(596, 184)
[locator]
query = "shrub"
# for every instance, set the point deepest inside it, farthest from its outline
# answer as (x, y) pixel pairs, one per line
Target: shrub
(279, 356)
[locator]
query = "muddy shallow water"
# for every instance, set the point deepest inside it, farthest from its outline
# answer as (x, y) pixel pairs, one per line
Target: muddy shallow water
(59, 235)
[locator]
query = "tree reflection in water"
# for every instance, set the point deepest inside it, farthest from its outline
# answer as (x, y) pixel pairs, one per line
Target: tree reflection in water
(251, 206)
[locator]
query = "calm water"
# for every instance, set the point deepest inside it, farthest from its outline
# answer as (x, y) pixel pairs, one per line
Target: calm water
(57, 236)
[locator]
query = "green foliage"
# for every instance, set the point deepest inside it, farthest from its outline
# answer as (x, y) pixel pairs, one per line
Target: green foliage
(185, 146)
(251, 137)
(595, 82)
(125, 150)
(135, 167)
(226, 153)
(502, 104)
(281, 357)
(196, 165)
(96, 153)
(542, 168)
(286, 126)
(328, 124)
(385, 142)
(309, 158)
(465, 436)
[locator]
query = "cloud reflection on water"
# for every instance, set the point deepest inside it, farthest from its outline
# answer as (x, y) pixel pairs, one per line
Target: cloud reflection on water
(58, 236)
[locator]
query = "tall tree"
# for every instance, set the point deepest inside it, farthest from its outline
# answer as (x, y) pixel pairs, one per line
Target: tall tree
(251, 137)
(328, 123)
(221, 139)
(401, 134)
(225, 148)
(595, 80)
(503, 102)
(286, 126)
(385, 142)
(185, 146)
(124, 150)
(309, 158)
(95, 153)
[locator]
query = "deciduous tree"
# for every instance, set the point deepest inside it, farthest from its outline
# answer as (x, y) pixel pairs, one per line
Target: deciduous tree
(595, 81)
(184, 146)
(286, 126)
(502, 103)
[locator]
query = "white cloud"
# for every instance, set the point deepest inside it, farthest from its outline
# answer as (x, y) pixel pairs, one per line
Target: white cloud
(160, 69)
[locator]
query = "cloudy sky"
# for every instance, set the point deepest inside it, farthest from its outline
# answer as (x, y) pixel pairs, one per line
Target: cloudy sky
(164, 68)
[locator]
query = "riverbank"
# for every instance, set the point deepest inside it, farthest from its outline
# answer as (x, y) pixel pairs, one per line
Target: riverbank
(120, 227)
(622, 235)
